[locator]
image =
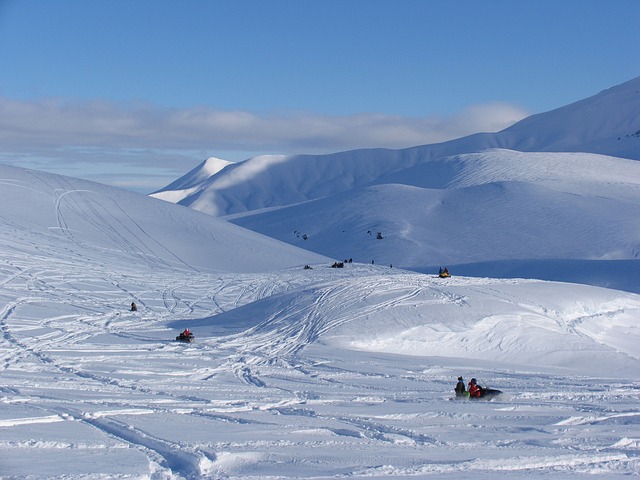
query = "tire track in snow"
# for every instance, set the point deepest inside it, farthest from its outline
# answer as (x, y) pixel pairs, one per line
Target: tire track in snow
(301, 322)
(174, 458)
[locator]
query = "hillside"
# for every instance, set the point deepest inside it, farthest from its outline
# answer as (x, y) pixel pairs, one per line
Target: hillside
(78, 218)
(498, 210)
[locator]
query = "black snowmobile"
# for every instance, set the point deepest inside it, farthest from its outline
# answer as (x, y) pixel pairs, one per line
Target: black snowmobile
(186, 337)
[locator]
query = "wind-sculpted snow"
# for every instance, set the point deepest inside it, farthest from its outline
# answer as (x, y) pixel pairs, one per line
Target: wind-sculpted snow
(295, 373)
(514, 321)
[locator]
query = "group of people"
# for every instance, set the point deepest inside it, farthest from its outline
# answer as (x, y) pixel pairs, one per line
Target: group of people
(473, 389)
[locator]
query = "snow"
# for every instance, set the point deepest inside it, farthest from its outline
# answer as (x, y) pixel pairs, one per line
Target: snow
(189, 184)
(295, 373)
(330, 372)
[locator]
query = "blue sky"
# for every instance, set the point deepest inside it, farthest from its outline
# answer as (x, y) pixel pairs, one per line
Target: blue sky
(136, 93)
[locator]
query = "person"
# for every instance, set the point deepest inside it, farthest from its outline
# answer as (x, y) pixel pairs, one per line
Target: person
(460, 390)
(475, 391)
(185, 336)
(134, 307)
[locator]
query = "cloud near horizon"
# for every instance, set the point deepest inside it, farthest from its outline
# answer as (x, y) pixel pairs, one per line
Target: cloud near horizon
(58, 134)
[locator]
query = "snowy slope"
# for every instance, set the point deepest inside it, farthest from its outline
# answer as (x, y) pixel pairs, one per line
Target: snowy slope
(295, 373)
(78, 218)
(607, 123)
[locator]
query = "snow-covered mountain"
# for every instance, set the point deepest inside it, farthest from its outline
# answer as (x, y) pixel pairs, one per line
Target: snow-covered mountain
(189, 183)
(488, 204)
(327, 372)
(301, 373)
(607, 123)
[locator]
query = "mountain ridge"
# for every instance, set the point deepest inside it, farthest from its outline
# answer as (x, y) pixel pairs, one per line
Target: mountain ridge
(606, 123)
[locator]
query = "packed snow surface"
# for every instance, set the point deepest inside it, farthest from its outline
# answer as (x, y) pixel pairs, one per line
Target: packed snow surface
(295, 373)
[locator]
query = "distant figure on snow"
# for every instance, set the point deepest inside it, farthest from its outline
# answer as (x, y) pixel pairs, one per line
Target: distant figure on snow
(460, 390)
(134, 307)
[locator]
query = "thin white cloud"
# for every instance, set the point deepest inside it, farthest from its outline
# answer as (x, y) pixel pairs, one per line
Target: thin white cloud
(64, 133)
(54, 123)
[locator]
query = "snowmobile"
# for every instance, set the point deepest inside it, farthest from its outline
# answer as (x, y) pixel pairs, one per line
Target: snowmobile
(444, 273)
(487, 394)
(185, 337)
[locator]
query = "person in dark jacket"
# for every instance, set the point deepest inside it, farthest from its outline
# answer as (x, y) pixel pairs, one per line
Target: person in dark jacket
(460, 390)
